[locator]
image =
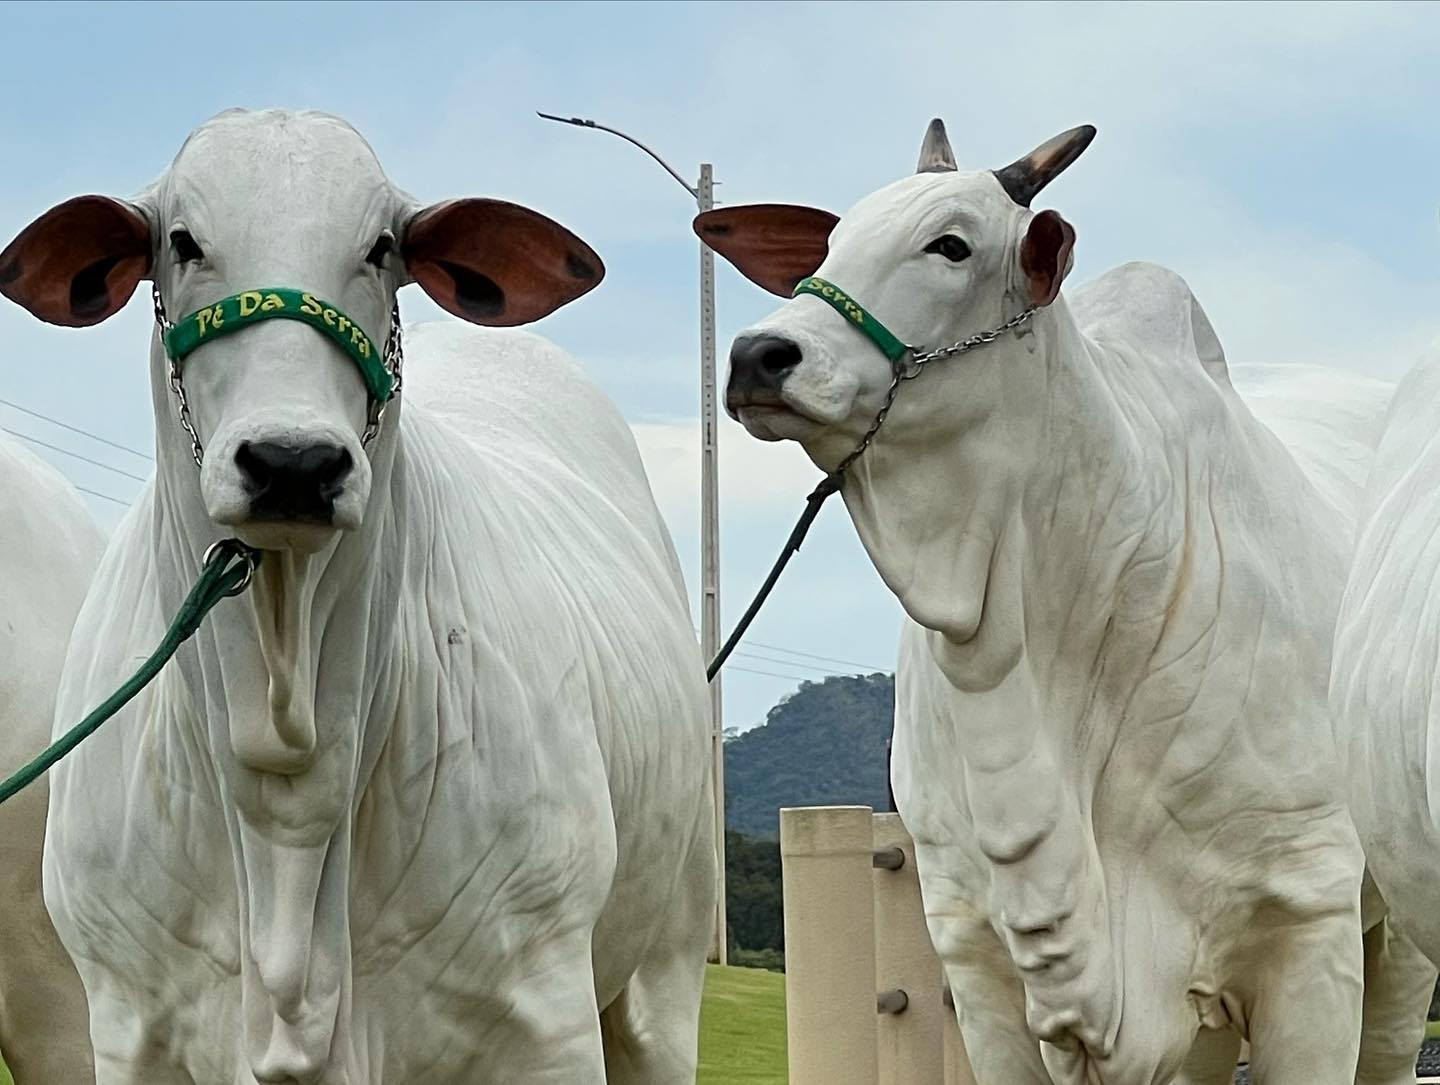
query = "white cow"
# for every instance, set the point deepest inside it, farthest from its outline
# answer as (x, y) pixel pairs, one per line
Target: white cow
(429, 804)
(1112, 743)
(49, 548)
(1387, 647)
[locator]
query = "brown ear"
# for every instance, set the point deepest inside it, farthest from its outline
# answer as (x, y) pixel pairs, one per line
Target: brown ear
(78, 263)
(1045, 255)
(497, 263)
(774, 245)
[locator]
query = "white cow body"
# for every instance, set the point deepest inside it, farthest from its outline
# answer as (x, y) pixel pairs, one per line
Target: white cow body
(1173, 796)
(523, 635)
(49, 548)
(1112, 740)
(1386, 652)
(429, 803)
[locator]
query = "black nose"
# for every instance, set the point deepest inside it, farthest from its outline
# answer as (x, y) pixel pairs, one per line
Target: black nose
(287, 483)
(759, 364)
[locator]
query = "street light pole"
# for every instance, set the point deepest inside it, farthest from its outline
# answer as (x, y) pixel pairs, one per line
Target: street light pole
(703, 195)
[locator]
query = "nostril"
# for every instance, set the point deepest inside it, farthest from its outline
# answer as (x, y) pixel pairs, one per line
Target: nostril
(763, 360)
(780, 355)
(285, 482)
(254, 465)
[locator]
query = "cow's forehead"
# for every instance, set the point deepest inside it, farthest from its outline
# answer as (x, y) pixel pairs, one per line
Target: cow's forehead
(277, 157)
(923, 201)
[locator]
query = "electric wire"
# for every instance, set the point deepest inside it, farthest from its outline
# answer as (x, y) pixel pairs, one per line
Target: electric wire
(77, 429)
(74, 455)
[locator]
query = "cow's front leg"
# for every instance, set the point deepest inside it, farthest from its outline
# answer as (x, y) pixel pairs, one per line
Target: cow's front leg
(1211, 1059)
(549, 1033)
(1399, 982)
(989, 998)
(1303, 974)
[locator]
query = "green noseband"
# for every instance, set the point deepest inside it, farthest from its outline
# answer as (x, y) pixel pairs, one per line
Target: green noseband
(251, 306)
(862, 319)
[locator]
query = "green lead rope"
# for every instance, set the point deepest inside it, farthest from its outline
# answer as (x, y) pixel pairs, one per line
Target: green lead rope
(229, 566)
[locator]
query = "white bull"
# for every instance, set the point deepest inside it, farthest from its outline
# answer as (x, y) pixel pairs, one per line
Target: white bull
(429, 803)
(49, 548)
(1112, 740)
(1387, 659)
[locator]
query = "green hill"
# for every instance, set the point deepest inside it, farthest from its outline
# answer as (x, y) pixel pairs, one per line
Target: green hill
(822, 745)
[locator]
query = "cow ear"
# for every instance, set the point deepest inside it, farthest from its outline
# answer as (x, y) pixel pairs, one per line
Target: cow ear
(497, 263)
(79, 262)
(1046, 255)
(774, 245)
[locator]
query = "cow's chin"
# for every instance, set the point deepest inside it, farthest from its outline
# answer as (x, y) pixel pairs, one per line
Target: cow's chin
(777, 423)
(297, 537)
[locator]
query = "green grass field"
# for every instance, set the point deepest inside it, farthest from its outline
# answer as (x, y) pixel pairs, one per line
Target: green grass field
(742, 1028)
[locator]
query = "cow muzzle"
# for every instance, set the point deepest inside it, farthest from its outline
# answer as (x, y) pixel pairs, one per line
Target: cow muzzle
(286, 487)
(287, 483)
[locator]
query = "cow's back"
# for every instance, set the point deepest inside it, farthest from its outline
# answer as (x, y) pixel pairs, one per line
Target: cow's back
(49, 547)
(1329, 420)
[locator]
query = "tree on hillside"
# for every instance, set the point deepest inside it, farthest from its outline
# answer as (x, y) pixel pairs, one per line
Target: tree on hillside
(822, 745)
(752, 888)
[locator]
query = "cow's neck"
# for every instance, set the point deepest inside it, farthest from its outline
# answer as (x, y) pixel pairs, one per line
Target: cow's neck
(292, 687)
(1005, 539)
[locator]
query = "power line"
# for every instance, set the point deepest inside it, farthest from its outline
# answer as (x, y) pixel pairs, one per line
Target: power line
(75, 455)
(865, 667)
(768, 674)
(806, 668)
(77, 429)
(811, 655)
(97, 493)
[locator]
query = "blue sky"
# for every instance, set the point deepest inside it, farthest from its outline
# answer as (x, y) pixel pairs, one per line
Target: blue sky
(1283, 158)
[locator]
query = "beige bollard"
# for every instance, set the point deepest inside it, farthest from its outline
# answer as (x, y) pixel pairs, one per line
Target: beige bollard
(830, 987)
(911, 1043)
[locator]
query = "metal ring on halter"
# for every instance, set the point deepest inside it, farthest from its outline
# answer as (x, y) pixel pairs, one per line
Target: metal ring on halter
(240, 550)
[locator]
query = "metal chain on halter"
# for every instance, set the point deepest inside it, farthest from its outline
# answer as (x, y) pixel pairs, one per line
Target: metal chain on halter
(910, 367)
(394, 358)
(176, 384)
(907, 367)
(394, 364)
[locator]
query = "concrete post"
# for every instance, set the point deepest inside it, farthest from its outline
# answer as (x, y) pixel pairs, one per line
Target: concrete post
(829, 944)
(912, 1043)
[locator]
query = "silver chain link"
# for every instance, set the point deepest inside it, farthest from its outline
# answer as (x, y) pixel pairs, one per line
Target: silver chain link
(394, 359)
(394, 365)
(176, 384)
(912, 364)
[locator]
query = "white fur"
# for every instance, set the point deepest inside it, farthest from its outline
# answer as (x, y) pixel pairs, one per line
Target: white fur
(49, 548)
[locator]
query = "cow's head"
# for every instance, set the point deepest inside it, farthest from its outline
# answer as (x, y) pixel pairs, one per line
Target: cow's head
(296, 200)
(936, 257)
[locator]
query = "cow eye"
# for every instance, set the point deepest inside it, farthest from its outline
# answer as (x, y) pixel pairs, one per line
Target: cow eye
(186, 249)
(950, 247)
(381, 249)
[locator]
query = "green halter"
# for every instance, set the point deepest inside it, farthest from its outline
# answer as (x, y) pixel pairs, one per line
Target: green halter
(251, 306)
(857, 314)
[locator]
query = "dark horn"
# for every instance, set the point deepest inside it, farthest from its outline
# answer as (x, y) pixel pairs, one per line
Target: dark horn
(1025, 177)
(935, 153)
